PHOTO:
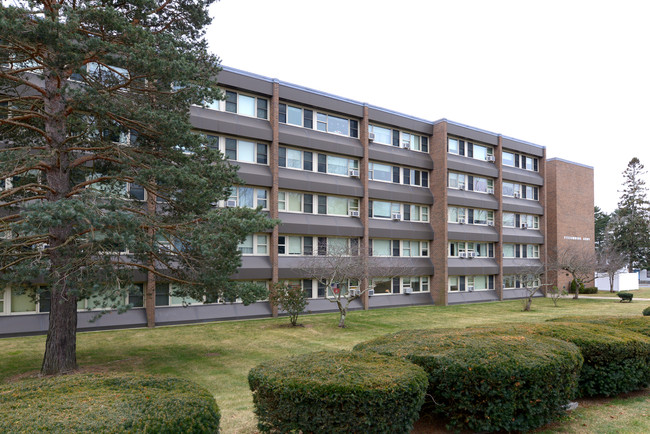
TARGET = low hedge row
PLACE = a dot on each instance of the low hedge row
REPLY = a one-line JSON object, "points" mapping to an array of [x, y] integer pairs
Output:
{"points": [[330, 392], [488, 382], [615, 360], [107, 404], [646, 311]]}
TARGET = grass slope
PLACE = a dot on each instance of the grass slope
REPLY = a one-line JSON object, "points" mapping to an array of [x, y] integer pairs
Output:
{"points": [[219, 355]]}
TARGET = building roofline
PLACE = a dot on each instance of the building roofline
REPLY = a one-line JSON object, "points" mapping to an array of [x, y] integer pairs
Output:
{"points": [[570, 162], [352, 101]]}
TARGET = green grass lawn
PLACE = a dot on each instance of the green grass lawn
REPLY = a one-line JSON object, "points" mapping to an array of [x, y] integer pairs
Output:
{"points": [[219, 355], [643, 292]]}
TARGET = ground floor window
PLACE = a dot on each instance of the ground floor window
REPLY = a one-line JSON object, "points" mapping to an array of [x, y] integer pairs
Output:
{"points": [[470, 283]]}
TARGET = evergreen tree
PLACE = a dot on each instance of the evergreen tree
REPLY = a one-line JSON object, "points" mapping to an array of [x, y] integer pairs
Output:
{"points": [[631, 223], [601, 221], [94, 103]]}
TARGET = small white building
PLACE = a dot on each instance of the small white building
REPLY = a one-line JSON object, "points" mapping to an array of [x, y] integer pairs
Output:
{"points": [[623, 281]]}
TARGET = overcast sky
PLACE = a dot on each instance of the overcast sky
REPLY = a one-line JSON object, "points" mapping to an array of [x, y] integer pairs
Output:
{"points": [[573, 76]]}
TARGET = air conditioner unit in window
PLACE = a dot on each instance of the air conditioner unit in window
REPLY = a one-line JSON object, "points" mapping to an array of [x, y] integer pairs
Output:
{"points": [[406, 145], [396, 216], [461, 186], [461, 221], [524, 225], [490, 191], [516, 195], [354, 173], [408, 290], [490, 158], [371, 292], [354, 213], [471, 254], [353, 292], [231, 203], [490, 223], [462, 255], [470, 288], [371, 137]]}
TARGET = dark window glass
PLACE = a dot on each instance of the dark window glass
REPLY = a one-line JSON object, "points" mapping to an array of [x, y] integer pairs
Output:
{"points": [[308, 118], [516, 160], [395, 285], [396, 175], [535, 163], [322, 204], [425, 144], [282, 160], [262, 157], [470, 216], [517, 250], [354, 246], [417, 177], [136, 295], [470, 183], [283, 114], [281, 245], [308, 246], [407, 176], [395, 137], [306, 287], [231, 102], [490, 282], [231, 149], [212, 142], [321, 290], [322, 246], [322, 163], [44, 301], [425, 179], [491, 250], [535, 193], [354, 128], [307, 163], [136, 192], [461, 147], [407, 212], [523, 161], [461, 281], [162, 294], [395, 247], [308, 203], [470, 150], [369, 208], [262, 108]]}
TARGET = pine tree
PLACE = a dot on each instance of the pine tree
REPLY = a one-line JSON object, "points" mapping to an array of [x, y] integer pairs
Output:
{"points": [[94, 103], [601, 221], [631, 221]]}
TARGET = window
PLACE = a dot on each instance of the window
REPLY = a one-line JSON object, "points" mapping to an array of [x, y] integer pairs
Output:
{"points": [[470, 216], [396, 248], [302, 117], [406, 212], [456, 180], [469, 149], [245, 105], [136, 295], [526, 221], [398, 175], [254, 244], [244, 150], [521, 161], [291, 201], [464, 249], [382, 135], [522, 191], [470, 283], [470, 182], [309, 203], [307, 246], [304, 160], [249, 197], [530, 251]]}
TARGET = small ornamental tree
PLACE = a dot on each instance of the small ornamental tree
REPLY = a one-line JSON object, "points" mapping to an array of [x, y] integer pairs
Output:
{"points": [[579, 263], [289, 298], [530, 279], [100, 172], [610, 261]]}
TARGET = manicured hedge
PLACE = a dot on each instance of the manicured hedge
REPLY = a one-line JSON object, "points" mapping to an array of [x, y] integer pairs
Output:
{"points": [[337, 392], [588, 290], [107, 404], [487, 382], [616, 360], [635, 324], [646, 311]]}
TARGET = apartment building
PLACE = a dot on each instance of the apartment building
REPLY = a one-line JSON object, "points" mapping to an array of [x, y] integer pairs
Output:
{"points": [[461, 208]]}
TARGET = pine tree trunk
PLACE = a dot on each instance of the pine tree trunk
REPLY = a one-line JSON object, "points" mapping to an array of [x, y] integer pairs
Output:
{"points": [[61, 344], [150, 299]]}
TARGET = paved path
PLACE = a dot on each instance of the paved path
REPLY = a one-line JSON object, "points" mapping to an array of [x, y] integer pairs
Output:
{"points": [[605, 298]]}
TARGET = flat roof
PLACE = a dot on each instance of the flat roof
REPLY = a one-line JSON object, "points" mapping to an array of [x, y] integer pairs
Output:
{"points": [[351, 101], [569, 162]]}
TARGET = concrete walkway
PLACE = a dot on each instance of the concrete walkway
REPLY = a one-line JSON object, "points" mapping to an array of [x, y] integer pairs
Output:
{"points": [[605, 298]]}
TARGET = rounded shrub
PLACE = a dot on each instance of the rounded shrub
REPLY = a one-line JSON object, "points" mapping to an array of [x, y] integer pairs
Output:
{"points": [[337, 392], [487, 382], [107, 404], [646, 311], [616, 360], [588, 290]]}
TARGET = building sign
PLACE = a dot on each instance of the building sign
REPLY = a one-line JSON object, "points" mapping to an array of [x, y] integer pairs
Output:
{"points": [[566, 237]]}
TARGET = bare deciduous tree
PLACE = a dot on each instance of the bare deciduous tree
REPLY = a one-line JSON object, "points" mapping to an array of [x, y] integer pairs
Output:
{"points": [[530, 278], [579, 263], [611, 261], [341, 270]]}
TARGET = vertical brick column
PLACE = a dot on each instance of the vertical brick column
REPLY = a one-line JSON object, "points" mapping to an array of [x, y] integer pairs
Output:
{"points": [[498, 218], [543, 251], [438, 213], [363, 209], [275, 174]]}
